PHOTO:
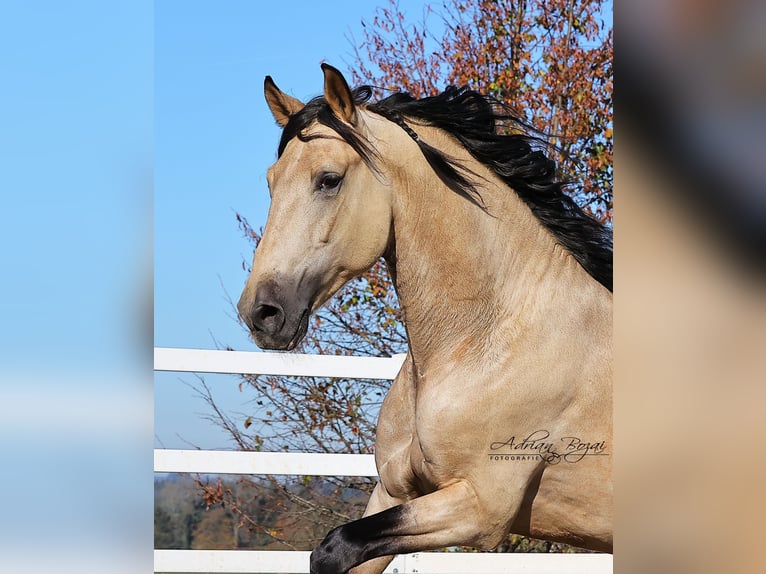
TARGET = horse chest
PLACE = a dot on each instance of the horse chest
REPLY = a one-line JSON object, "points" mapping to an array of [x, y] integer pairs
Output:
{"points": [[448, 432], [420, 452]]}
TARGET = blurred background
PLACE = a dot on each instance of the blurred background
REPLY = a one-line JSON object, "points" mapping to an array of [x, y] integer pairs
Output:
{"points": [[76, 133], [689, 269]]}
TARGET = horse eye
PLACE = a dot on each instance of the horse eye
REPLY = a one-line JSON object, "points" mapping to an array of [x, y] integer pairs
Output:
{"points": [[329, 182]]}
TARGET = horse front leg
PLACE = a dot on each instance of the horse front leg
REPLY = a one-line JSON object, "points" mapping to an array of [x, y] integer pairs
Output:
{"points": [[450, 516], [379, 501]]}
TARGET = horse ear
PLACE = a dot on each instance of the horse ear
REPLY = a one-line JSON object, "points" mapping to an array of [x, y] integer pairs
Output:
{"points": [[281, 105], [338, 94]]}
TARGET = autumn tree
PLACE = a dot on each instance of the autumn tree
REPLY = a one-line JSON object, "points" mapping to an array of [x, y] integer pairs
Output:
{"points": [[549, 60]]}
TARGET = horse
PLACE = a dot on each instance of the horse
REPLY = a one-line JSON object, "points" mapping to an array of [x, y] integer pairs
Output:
{"points": [[499, 420]]}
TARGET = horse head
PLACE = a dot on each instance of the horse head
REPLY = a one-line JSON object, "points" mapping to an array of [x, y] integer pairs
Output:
{"points": [[330, 213]]}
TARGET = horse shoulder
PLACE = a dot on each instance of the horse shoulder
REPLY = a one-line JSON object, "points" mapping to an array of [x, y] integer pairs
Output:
{"points": [[396, 436]]}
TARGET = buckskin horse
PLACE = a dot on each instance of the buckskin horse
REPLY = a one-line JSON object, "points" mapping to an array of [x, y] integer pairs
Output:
{"points": [[500, 419]]}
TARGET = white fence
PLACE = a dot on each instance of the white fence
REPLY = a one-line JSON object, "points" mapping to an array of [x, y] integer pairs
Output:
{"points": [[280, 463]]}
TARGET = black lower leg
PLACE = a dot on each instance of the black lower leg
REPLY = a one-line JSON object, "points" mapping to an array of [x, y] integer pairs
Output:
{"points": [[356, 542]]}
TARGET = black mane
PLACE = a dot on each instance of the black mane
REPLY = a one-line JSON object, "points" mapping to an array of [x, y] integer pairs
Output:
{"points": [[496, 138]]}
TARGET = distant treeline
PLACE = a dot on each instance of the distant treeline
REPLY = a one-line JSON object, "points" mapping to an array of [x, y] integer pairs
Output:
{"points": [[212, 513], [295, 513]]}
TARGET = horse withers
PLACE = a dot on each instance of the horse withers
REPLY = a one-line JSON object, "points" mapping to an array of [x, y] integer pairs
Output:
{"points": [[500, 418]]}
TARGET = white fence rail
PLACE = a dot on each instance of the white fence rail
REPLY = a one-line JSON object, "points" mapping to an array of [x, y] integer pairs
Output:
{"points": [[274, 463], [279, 463], [250, 363], [278, 561]]}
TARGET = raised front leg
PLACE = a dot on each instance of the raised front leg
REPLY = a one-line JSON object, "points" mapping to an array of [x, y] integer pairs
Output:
{"points": [[379, 501], [392, 452], [450, 516]]}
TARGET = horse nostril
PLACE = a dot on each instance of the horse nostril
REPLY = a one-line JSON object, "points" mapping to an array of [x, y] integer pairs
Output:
{"points": [[268, 318]]}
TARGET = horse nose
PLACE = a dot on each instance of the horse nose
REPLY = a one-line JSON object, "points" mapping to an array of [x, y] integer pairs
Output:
{"points": [[261, 310], [268, 318]]}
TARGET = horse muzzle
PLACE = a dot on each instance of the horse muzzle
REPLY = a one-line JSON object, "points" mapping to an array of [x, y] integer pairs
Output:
{"points": [[277, 317]]}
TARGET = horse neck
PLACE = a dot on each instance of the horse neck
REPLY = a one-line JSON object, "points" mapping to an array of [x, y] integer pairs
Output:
{"points": [[470, 280]]}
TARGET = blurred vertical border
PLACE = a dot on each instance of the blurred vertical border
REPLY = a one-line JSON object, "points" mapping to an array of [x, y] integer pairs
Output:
{"points": [[690, 313], [76, 288]]}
